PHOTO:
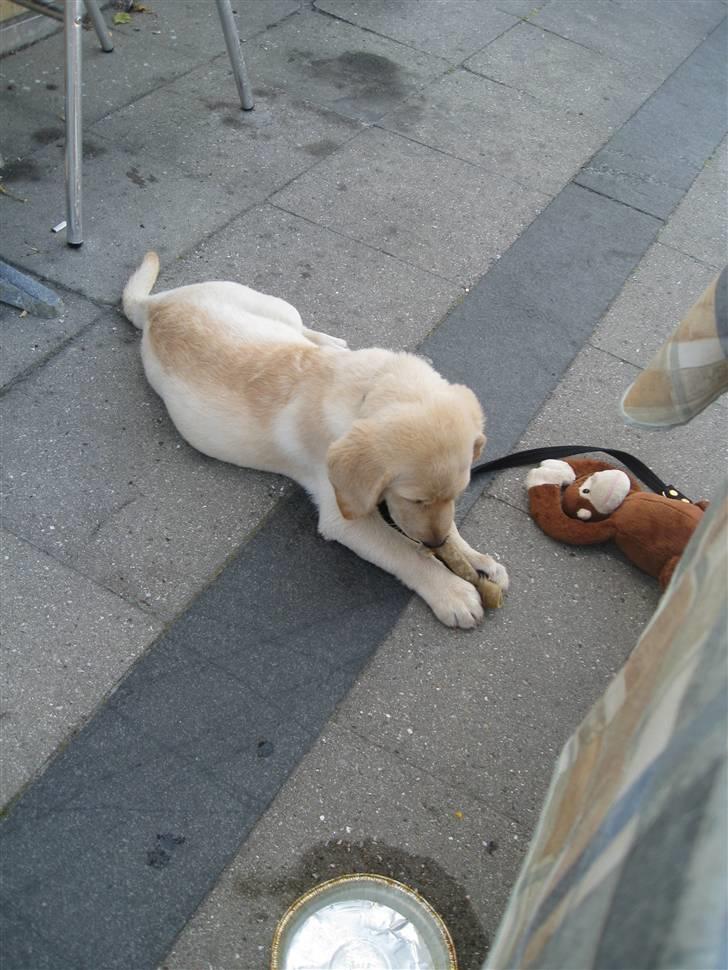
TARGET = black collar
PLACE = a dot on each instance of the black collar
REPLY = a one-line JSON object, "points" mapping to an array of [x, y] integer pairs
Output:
{"points": [[383, 510]]}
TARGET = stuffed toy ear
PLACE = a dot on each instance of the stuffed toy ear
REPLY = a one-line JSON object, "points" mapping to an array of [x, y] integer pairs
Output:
{"points": [[356, 471]]}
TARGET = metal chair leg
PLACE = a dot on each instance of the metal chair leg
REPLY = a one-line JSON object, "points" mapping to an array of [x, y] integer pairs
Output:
{"points": [[232, 41], [99, 23], [73, 14]]}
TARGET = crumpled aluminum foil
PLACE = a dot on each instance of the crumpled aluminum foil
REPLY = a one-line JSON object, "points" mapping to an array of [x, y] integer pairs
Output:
{"points": [[363, 923], [358, 935]]}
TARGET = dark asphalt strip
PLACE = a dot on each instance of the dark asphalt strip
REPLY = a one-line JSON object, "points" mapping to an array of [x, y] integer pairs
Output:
{"points": [[109, 853]]}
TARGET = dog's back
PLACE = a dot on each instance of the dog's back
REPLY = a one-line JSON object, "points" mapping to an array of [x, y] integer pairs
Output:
{"points": [[243, 312]]}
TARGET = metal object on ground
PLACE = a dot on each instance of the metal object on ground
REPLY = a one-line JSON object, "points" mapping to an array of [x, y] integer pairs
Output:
{"points": [[22, 291], [232, 42], [73, 18], [362, 922]]}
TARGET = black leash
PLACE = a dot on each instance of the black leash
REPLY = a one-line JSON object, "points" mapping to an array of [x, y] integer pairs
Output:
{"points": [[532, 456]]}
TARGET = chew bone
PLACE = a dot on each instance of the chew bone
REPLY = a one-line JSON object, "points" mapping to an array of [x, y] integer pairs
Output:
{"points": [[491, 594]]}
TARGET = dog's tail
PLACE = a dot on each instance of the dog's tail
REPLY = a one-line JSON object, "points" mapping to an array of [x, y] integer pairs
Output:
{"points": [[140, 286]]}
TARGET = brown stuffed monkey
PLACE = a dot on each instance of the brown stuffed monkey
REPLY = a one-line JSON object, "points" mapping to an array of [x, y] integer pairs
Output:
{"points": [[600, 502]]}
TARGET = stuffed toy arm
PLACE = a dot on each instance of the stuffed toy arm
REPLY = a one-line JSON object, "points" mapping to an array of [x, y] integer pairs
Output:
{"points": [[552, 471], [544, 497]]}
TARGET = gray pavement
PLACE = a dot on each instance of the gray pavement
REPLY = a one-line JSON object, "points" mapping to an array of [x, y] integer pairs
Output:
{"points": [[205, 709]]}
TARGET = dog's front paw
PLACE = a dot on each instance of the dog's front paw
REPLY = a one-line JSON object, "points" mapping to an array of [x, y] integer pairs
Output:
{"points": [[455, 602], [552, 471], [492, 570]]}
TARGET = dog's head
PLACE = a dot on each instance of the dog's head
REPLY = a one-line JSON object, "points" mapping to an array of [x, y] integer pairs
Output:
{"points": [[417, 458]]}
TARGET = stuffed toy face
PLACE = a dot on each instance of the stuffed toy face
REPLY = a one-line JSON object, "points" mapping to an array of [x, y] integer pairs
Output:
{"points": [[594, 497]]}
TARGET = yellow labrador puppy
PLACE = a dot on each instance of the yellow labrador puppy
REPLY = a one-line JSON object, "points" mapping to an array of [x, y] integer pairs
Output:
{"points": [[244, 381]]}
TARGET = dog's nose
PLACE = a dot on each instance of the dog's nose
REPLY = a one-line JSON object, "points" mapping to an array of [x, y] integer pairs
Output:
{"points": [[434, 545]]}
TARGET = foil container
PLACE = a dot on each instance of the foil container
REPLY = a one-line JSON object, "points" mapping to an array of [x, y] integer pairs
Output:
{"points": [[362, 922]]}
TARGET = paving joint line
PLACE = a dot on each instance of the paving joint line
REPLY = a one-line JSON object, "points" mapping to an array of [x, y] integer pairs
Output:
{"points": [[612, 198], [502, 34], [659, 87], [466, 161], [266, 199], [140, 605], [376, 33], [375, 249], [101, 304], [417, 766], [207, 61], [676, 249], [602, 350], [610, 57], [497, 498], [22, 376]]}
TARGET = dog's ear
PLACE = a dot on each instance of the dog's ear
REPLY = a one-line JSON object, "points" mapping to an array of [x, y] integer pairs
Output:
{"points": [[356, 471], [473, 410], [478, 446]]}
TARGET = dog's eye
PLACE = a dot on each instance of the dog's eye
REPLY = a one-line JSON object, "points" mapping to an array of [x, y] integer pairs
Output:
{"points": [[418, 501], [585, 491]]}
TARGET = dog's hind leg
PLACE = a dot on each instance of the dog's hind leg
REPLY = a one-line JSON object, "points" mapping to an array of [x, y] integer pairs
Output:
{"points": [[324, 339]]}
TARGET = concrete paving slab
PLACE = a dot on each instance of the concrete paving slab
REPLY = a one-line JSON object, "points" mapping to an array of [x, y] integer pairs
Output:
{"points": [[523, 9], [640, 165], [170, 38], [649, 37], [175, 791], [131, 203], [698, 226], [438, 213], [488, 713], [141, 62], [189, 24], [499, 129], [527, 318], [28, 341], [655, 298], [327, 277], [352, 71], [214, 721], [100, 479], [452, 29], [26, 125], [68, 641], [351, 807], [148, 853], [559, 72], [696, 16], [198, 122], [585, 409]]}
